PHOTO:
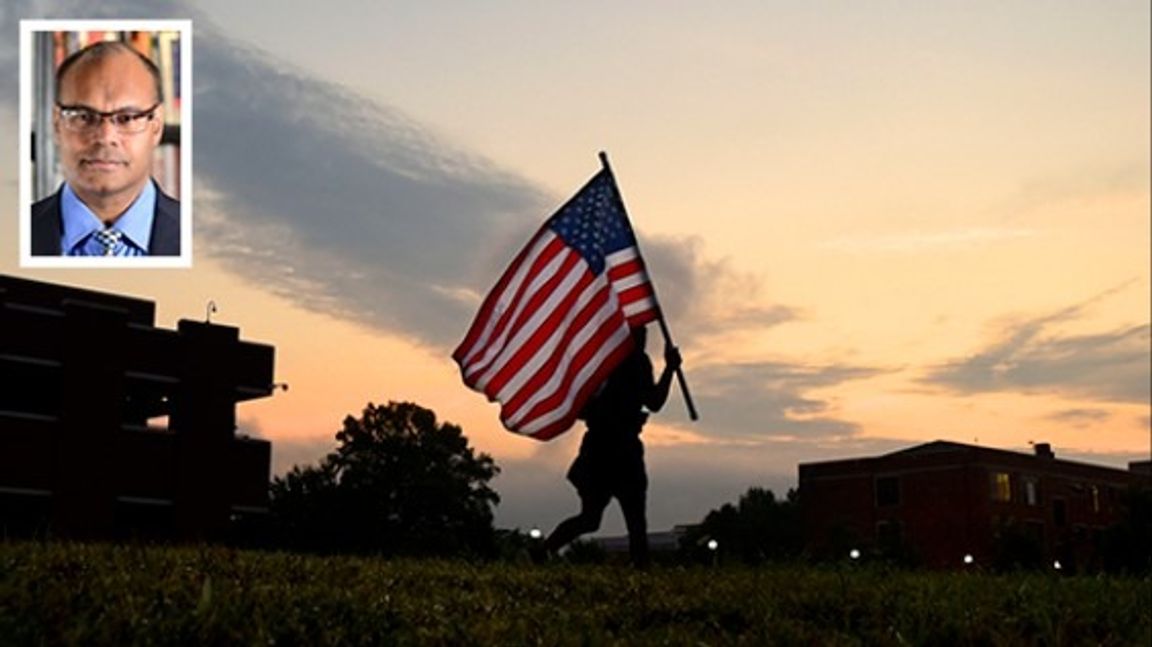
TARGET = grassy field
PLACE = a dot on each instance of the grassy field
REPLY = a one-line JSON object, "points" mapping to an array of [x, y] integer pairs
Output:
{"points": [[122, 595]]}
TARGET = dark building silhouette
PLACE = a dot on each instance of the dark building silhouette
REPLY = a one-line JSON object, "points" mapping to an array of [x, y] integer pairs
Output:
{"points": [[111, 427], [941, 501]]}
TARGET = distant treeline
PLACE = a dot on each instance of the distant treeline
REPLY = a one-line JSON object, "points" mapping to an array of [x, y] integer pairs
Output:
{"points": [[402, 483]]}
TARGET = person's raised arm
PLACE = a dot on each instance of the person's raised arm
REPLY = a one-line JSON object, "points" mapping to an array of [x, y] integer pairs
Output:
{"points": [[658, 395]]}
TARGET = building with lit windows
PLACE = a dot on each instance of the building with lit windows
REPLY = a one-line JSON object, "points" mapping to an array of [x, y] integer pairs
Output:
{"points": [[111, 427], [942, 502]]}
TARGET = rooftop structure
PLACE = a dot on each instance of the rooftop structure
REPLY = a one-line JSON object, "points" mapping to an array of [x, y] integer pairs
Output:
{"points": [[113, 427]]}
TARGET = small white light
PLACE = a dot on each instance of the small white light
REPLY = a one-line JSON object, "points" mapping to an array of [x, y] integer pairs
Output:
{"points": [[535, 533], [713, 544], [968, 559], [1056, 565], [854, 553]]}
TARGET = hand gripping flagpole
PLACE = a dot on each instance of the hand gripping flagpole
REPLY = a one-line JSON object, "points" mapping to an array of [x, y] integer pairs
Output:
{"points": [[663, 325]]}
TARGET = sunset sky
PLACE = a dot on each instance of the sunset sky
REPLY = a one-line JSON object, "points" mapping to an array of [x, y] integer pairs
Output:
{"points": [[871, 224]]}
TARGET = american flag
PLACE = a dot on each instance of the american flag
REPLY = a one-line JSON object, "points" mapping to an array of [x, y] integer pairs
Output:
{"points": [[559, 319]]}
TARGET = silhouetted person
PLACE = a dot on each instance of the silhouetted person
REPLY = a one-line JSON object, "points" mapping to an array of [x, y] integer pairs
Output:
{"points": [[611, 459]]}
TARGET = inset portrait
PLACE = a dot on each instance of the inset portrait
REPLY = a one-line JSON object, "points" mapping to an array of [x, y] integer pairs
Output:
{"points": [[106, 144]]}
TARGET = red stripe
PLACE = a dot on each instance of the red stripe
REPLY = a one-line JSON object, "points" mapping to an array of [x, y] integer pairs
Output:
{"points": [[636, 293], [617, 272], [644, 317]]}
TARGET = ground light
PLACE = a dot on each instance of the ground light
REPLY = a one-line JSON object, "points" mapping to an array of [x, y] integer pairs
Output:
{"points": [[969, 560], [713, 545], [535, 533], [854, 553]]}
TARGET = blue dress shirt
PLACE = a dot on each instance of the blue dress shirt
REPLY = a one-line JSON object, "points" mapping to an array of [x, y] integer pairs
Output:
{"points": [[80, 225]]}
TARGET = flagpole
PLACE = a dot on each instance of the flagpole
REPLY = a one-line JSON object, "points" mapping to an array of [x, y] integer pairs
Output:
{"points": [[663, 325]]}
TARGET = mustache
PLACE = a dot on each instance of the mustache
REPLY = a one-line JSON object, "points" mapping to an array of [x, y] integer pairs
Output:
{"points": [[102, 157]]}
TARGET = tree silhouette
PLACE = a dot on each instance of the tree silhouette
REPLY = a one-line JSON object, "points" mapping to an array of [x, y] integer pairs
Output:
{"points": [[758, 528], [398, 483]]}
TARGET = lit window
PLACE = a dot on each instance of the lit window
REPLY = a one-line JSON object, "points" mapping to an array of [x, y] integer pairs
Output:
{"points": [[1001, 487]]}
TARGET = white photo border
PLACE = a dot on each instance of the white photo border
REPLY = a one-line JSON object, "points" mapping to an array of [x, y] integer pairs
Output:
{"points": [[27, 29]]}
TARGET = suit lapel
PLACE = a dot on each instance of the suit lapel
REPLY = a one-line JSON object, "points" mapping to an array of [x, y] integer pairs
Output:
{"points": [[46, 226]]}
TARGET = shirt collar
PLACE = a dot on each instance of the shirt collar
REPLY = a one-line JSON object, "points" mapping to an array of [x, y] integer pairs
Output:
{"points": [[80, 223]]}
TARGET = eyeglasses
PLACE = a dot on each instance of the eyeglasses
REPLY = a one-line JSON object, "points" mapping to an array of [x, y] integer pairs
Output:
{"points": [[79, 119]]}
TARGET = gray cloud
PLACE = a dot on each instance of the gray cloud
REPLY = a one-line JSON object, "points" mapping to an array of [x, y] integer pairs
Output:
{"points": [[341, 204], [703, 297], [769, 400], [1081, 417], [350, 207], [1110, 366]]}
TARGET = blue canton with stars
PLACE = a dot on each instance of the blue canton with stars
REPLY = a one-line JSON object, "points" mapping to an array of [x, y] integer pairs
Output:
{"points": [[593, 223]]}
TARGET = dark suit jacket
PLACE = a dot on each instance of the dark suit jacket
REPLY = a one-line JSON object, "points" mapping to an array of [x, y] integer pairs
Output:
{"points": [[47, 226]]}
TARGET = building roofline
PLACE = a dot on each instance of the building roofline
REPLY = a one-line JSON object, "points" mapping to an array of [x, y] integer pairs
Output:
{"points": [[979, 453], [28, 293]]}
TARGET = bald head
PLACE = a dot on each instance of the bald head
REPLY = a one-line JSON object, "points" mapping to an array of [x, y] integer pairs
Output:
{"points": [[97, 53]]}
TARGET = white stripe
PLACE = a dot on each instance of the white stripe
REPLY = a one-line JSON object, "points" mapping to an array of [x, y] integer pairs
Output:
{"points": [[578, 343], [549, 346], [523, 333], [630, 281], [501, 303], [622, 256], [638, 306], [495, 346]]}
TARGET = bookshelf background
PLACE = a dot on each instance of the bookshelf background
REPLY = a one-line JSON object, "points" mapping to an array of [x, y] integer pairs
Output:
{"points": [[50, 49]]}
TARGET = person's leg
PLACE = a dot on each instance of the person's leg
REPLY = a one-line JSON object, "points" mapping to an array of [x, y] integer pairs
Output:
{"points": [[633, 502], [592, 506]]}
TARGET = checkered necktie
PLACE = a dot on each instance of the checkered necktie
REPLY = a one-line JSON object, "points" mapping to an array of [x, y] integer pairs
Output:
{"points": [[110, 239]]}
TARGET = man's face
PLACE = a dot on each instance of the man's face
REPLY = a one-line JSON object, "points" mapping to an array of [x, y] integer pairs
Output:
{"points": [[102, 162]]}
